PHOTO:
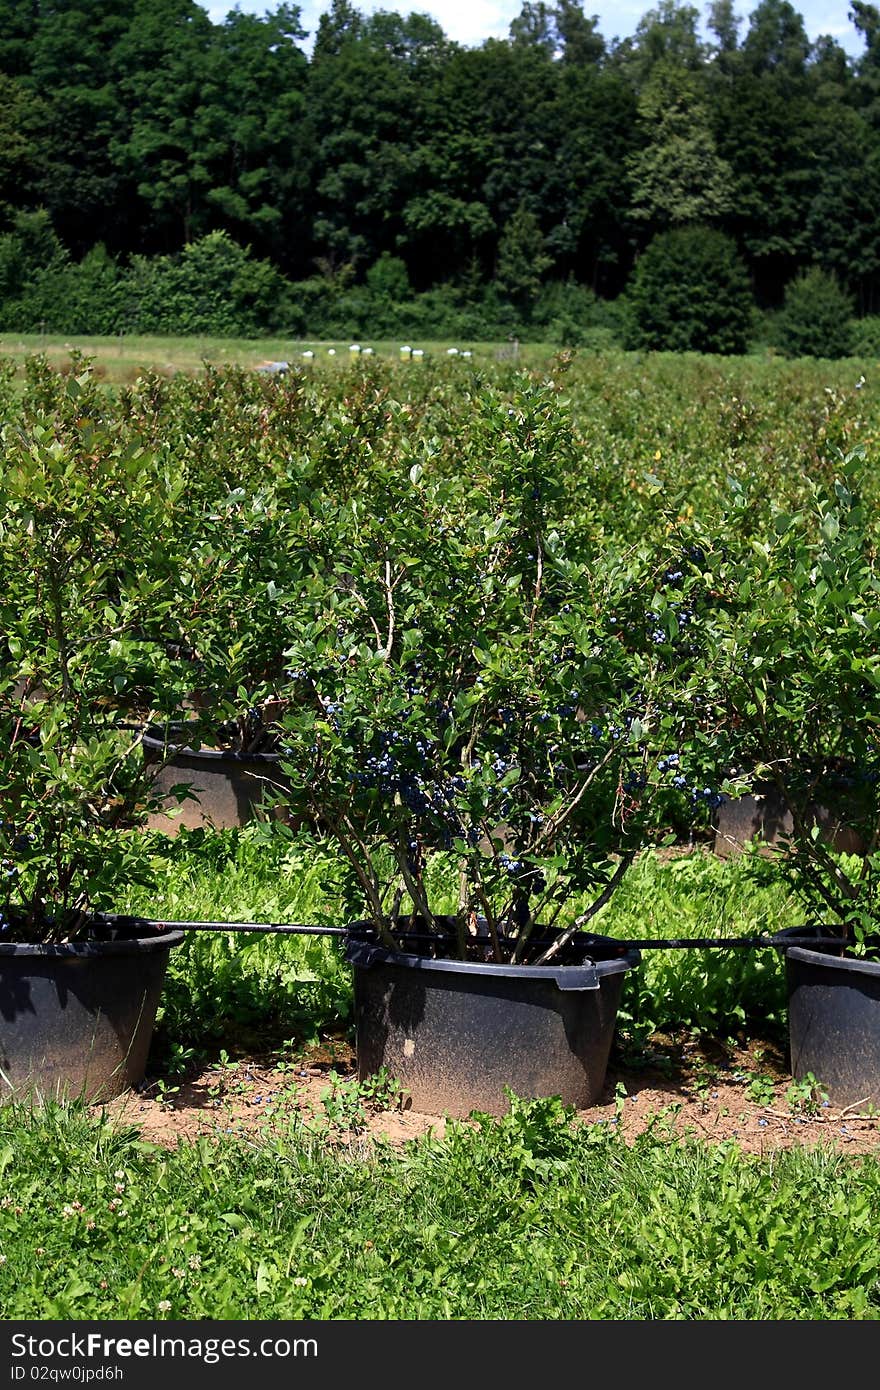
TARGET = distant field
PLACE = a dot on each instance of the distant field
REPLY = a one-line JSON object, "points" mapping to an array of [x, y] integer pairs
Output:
{"points": [[124, 358]]}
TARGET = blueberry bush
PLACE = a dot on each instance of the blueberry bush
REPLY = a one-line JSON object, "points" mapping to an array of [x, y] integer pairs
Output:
{"points": [[503, 628]]}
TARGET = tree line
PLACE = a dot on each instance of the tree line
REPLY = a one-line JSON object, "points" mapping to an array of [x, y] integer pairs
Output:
{"points": [[162, 171]]}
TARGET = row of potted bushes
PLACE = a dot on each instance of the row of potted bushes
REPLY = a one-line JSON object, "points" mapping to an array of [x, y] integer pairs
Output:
{"points": [[495, 700], [451, 1005], [459, 1033]]}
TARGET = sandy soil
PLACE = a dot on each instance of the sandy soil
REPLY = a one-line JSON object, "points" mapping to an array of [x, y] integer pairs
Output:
{"points": [[712, 1092]]}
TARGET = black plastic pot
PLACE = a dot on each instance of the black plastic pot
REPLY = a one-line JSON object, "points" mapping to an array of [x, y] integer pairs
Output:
{"points": [[764, 817], [834, 1021], [455, 1033], [76, 1021], [231, 789]]}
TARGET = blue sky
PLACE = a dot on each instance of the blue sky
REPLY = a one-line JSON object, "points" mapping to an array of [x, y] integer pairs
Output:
{"points": [[472, 21]]}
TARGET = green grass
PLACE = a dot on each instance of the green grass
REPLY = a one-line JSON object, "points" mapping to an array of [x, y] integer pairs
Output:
{"points": [[529, 1217], [122, 358]]}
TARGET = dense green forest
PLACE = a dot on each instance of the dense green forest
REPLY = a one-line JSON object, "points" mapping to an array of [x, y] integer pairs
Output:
{"points": [[163, 173]]}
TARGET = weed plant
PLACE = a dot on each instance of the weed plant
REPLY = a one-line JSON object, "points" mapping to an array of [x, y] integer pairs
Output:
{"points": [[711, 991], [245, 989]]}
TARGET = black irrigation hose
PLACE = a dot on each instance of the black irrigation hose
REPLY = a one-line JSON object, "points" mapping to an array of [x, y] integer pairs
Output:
{"points": [[293, 929], [681, 943], [278, 928], [723, 943]]}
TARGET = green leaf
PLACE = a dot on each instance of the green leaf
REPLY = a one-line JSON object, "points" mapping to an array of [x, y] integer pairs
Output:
{"points": [[233, 1219]]}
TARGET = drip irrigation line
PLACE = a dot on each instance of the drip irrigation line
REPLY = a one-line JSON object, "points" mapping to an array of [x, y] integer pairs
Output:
{"points": [[303, 929], [276, 928], [724, 943], [679, 943]]}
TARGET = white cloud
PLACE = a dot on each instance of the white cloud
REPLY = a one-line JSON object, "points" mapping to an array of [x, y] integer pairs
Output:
{"points": [[468, 22]]}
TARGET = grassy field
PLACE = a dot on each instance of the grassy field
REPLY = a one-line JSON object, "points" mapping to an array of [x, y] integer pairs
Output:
{"points": [[526, 1218], [124, 358]]}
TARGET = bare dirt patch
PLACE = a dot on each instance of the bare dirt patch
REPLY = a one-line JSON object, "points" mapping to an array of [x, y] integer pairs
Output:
{"points": [[712, 1092]]}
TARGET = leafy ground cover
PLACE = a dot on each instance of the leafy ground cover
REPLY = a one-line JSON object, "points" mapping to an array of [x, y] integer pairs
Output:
{"points": [[530, 1217]]}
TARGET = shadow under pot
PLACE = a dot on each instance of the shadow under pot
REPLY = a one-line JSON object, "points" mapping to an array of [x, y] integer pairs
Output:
{"points": [[77, 1019], [454, 1034], [227, 789]]}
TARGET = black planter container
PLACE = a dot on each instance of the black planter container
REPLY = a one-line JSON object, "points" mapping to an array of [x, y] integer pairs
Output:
{"points": [[76, 1021], [455, 1033], [231, 788], [765, 817], [834, 1021]]}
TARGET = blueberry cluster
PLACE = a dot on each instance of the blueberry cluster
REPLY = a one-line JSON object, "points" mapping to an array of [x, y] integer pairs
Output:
{"points": [[528, 881], [685, 613], [606, 734], [671, 762], [401, 767], [635, 782], [569, 708], [690, 555], [710, 797], [684, 616], [19, 842]]}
